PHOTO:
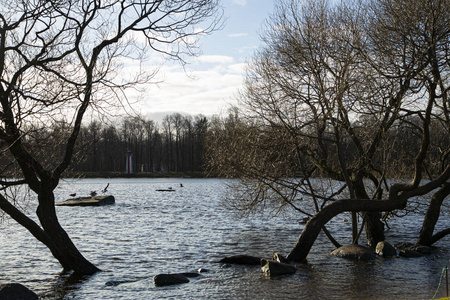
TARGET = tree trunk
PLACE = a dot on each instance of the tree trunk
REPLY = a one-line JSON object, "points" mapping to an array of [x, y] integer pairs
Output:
{"points": [[374, 228], [67, 255], [431, 217], [373, 224], [60, 244], [315, 224]]}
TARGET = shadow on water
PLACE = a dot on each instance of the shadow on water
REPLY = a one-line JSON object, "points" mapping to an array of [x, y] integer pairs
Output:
{"points": [[66, 282]]}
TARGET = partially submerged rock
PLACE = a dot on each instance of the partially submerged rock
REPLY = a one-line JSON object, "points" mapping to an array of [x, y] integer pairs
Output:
{"points": [[88, 201], [403, 245], [190, 274], [274, 268], [241, 260], [202, 270], [13, 291], [169, 279], [409, 253], [354, 251], [116, 282], [279, 258], [421, 249], [411, 250], [385, 249]]}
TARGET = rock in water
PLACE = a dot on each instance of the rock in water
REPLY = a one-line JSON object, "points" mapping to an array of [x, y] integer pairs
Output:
{"points": [[354, 252], [385, 249], [241, 260], [169, 279], [202, 270], [404, 245], [276, 268], [190, 274], [88, 201], [408, 253], [411, 250], [279, 258], [14, 291], [421, 249]]}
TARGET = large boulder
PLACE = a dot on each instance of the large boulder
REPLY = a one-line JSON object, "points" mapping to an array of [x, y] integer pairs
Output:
{"points": [[14, 291], [274, 268], [385, 249], [241, 260], [169, 279], [354, 252]]}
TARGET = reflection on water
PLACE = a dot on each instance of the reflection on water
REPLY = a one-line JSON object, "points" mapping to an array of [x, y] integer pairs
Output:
{"points": [[150, 232]]}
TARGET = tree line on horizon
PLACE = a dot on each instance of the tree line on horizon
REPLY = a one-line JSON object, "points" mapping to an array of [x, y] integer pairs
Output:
{"points": [[190, 144], [175, 145]]}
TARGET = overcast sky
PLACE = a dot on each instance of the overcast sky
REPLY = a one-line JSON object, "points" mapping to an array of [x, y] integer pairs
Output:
{"points": [[215, 76]]}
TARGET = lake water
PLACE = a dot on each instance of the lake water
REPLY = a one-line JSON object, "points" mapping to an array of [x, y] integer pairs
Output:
{"points": [[147, 232]]}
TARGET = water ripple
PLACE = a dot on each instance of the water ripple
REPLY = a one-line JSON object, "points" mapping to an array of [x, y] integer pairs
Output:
{"points": [[148, 232]]}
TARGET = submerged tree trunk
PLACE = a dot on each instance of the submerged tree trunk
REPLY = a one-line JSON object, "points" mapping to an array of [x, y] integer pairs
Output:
{"points": [[374, 228], [55, 238], [60, 244], [372, 220], [426, 237], [313, 227]]}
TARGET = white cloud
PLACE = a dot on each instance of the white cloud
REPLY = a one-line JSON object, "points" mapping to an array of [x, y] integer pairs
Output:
{"points": [[237, 68], [205, 92], [221, 59]]}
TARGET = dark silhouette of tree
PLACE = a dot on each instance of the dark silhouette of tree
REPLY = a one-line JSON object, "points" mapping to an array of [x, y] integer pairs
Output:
{"points": [[58, 59], [327, 96]]}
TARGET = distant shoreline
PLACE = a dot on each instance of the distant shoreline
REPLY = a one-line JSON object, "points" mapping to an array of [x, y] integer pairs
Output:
{"points": [[139, 175]]}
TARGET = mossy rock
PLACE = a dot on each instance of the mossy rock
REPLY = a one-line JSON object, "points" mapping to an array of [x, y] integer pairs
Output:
{"points": [[354, 251]]}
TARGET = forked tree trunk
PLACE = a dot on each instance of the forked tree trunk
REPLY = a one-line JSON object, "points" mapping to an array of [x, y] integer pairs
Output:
{"points": [[315, 224], [374, 228], [372, 220]]}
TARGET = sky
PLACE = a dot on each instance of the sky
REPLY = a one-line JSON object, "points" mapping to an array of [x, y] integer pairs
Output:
{"points": [[211, 81]]}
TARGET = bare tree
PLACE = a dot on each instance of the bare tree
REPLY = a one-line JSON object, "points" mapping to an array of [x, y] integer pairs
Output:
{"points": [[322, 98], [60, 58]]}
